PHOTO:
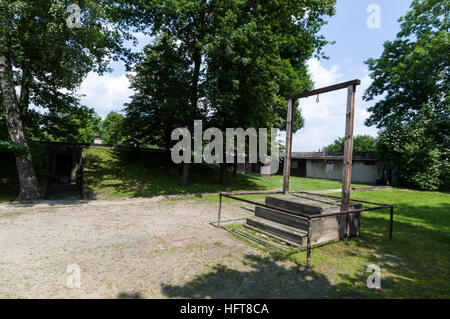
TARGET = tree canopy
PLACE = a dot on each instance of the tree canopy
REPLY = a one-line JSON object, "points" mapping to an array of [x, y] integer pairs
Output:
{"points": [[48, 59], [361, 143], [412, 79], [228, 63], [75, 125], [112, 129]]}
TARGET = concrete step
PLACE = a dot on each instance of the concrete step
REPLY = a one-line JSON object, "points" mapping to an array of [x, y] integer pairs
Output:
{"points": [[267, 241], [291, 234], [275, 237], [307, 204], [282, 218]]}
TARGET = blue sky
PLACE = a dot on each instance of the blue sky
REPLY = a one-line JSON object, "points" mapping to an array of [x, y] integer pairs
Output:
{"points": [[324, 121]]}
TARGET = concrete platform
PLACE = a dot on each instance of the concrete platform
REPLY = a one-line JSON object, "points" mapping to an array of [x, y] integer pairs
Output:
{"points": [[293, 228], [307, 204]]}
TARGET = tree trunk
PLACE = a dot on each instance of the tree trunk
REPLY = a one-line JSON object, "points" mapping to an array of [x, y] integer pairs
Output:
{"points": [[25, 90], [223, 174], [193, 112], [185, 175], [196, 75], [27, 177]]}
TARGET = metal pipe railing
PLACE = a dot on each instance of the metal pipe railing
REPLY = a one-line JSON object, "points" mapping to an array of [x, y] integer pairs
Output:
{"points": [[266, 206], [309, 217], [337, 197]]}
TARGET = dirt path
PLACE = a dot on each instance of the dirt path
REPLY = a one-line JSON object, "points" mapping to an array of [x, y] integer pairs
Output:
{"points": [[138, 248], [62, 191]]}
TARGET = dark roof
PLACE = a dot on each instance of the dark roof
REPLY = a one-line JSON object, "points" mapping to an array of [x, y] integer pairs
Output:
{"points": [[361, 156]]}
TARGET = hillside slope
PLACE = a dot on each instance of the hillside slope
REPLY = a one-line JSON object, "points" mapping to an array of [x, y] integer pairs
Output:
{"points": [[125, 173]]}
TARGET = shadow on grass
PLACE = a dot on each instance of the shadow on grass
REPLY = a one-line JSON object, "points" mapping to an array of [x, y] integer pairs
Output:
{"points": [[264, 278], [145, 173], [415, 264], [129, 295]]}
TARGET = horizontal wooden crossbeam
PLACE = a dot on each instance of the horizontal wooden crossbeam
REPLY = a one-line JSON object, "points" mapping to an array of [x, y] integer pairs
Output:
{"points": [[325, 89]]}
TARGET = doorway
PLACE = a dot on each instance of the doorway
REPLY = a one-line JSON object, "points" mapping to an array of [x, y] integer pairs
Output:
{"points": [[63, 168]]}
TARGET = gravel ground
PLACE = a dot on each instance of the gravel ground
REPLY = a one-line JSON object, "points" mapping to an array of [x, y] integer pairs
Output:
{"points": [[138, 248]]}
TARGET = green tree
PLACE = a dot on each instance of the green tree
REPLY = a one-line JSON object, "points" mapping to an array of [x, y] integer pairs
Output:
{"points": [[180, 27], [74, 125], [112, 129], [42, 54], [412, 76], [162, 83], [255, 60], [411, 151], [361, 143], [230, 63]]}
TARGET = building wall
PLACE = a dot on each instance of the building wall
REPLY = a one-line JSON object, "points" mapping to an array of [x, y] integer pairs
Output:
{"points": [[298, 167], [361, 172]]}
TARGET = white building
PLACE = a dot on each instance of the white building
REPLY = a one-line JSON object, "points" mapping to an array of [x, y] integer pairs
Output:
{"points": [[98, 140], [366, 168]]}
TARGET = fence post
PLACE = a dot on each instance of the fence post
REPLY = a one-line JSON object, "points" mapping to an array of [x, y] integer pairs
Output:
{"points": [[308, 244], [391, 221], [220, 210]]}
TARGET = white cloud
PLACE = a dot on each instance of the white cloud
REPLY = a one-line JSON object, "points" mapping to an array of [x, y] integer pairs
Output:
{"points": [[321, 76], [325, 121], [105, 93]]}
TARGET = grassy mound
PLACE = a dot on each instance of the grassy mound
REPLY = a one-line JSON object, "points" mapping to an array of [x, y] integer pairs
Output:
{"points": [[130, 173]]}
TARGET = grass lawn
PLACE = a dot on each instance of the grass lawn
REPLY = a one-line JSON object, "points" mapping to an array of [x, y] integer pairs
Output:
{"points": [[120, 173], [415, 264]]}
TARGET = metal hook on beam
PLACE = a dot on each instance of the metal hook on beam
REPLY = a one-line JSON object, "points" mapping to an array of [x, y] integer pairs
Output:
{"points": [[317, 99]]}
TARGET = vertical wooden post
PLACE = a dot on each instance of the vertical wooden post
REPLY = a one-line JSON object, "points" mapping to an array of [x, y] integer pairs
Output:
{"points": [[391, 221], [220, 210], [348, 158], [288, 148]]}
